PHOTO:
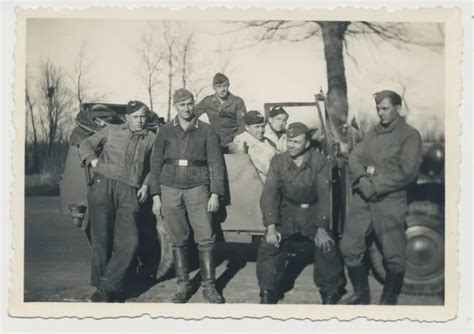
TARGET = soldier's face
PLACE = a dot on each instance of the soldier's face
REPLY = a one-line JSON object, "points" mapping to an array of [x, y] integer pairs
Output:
{"points": [[185, 109], [278, 123], [297, 145], [387, 112], [222, 89], [256, 130], [137, 120]]}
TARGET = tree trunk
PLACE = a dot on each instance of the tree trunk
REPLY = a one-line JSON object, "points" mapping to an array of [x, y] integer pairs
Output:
{"points": [[170, 81], [337, 106]]}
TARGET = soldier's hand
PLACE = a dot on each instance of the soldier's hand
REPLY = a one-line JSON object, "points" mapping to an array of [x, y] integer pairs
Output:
{"points": [[367, 188], [156, 208], [142, 193], [273, 237], [94, 162], [213, 203], [323, 240]]}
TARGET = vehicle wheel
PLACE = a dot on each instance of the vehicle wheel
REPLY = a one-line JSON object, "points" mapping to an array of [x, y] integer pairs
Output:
{"points": [[166, 252], [425, 251]]}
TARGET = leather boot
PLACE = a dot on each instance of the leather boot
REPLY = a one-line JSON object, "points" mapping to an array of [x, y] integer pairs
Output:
{"points": [[181, 267], [359, 277], [332, 297], [391, 289], [268, 297], [208, 274], [102, 296]]}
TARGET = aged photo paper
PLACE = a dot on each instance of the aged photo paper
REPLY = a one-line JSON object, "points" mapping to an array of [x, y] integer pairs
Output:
{"points": [[107, 56]]}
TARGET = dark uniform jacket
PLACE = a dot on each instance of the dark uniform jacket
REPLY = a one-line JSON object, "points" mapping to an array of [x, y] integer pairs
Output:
{"points": [[226, 117], [296, 199], [199, 143], [123, 155], [389, 156]]}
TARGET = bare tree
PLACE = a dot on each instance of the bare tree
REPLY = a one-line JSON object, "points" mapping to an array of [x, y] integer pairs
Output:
{"points": [[56, 100], [30, 105], [335, 36], [170, 56], [186, 49], [152, 59]]}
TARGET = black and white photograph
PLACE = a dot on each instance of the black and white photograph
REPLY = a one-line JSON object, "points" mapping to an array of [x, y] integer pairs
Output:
{"points": [[272, 159]]}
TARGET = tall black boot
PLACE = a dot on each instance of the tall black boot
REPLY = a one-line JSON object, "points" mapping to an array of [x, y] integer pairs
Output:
{"points": [[392, 287], [208, 274], [359, 277], [181, 267]]}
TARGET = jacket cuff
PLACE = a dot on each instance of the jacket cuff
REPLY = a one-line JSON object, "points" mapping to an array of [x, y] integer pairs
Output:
{"points": [[270, 219], [154, 189]]}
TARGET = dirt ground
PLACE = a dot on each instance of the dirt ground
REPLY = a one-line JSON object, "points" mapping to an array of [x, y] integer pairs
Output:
{"points": [[57, 257]]}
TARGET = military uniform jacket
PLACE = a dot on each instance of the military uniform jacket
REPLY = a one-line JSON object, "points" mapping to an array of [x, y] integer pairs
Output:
{"points": [[296, 199], [226, 117], [390, 157]]}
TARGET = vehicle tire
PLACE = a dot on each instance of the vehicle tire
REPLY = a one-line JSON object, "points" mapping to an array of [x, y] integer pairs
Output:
{"points": [[425, 251], [166, 252]]}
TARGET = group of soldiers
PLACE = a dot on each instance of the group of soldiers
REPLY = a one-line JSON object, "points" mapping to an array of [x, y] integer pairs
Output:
{"points": [[182, 169]]}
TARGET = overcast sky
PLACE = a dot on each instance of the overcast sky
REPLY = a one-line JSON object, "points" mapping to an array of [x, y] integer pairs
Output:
{"points": [[266, 72]]}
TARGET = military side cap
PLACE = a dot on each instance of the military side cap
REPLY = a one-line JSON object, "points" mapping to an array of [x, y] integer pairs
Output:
{"points": [[133, 106], [182, 95], [296, 129], [219, 78], [275, 111], [253, 117], [394, 97]]}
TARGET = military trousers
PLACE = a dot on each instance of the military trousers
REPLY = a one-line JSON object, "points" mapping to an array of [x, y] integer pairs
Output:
{"points": [[328, 272], [113, 212], [185, 214], [384, 218]]}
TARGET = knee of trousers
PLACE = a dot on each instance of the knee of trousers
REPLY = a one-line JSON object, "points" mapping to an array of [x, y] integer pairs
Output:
{"points": [[350, 249], [396, 263]]}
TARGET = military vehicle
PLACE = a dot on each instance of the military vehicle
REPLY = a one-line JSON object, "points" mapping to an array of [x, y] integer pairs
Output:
{"points": [[241, 213]]}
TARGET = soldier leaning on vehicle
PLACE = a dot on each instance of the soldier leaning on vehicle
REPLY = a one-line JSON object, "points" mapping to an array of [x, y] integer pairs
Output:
{"points": [[382, 166], [224, 110], [187, 179], [295, 205], [119, 156]]}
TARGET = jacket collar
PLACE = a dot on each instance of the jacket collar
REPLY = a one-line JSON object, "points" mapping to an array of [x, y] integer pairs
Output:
{"points": [[194, 122], [125, 126], [379, 129], [217, 101], [306, 160]]}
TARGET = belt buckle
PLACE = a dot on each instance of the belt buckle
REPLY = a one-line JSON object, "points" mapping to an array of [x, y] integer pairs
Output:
{"points": [[304, 205], [182, 163]]}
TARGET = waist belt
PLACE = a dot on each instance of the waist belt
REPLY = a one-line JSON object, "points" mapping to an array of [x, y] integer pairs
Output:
{"points": [[186, 163], [300, 205]]}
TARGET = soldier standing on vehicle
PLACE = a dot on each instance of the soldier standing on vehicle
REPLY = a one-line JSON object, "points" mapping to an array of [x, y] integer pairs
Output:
{"points": [[119, 156], [224, 110], [187, 179], [275, 131], [253, 142], [295, 205], [382, 166]]}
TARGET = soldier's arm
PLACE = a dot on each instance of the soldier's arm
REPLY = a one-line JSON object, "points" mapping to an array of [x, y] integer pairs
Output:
{"points": [[322, 187], [215, 161], [240, 111], [146, 180], [200, 108], [357, 165], [403, 170], [156, 164], [260, 158], [91, 146], [271, 195]]}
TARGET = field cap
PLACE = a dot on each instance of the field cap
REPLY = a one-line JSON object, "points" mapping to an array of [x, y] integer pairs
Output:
{"points": [[182, 95], [395, 99], [296, 129], [275, 111], [219, 78], [133, 106], [253, 117]]}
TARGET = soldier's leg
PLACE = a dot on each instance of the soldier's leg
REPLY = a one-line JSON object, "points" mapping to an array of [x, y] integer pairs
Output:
{"points": [[389, 227], [101, 216], [177, 227], [328, 274], [270, 270], [200, 220], [353, 248], [125, 241]]}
